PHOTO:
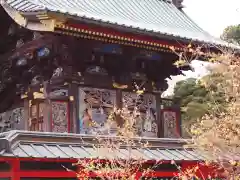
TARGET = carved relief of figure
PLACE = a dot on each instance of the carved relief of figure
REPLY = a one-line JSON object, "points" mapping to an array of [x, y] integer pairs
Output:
{"points": [[60, 117], [170, 126], [86, 120], [146, 104], [94, 108], [9, 119], [58, 72]]}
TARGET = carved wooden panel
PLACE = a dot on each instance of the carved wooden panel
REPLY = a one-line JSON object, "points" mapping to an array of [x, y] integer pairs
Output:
{"points": [[146, 123], [41, 115], [17, 115], [60, 116], [35, 122], [95, 105], [11, 118], [33, 125], [34, 109], [171, 123], [59, 93]]}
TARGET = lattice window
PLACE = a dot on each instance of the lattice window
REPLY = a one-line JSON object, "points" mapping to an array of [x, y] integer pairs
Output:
{"points": [[36, 114], [95, 105], [146, 124], [60, 116]]}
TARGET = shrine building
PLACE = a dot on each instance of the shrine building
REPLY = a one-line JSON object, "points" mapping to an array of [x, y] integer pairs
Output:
{"points": [[63, 61]]}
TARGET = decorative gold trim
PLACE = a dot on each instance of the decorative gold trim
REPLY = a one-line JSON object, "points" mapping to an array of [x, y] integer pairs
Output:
{"points": [[42, 16], [118, 39], [111, 41], [59, 18], [49, 23]]}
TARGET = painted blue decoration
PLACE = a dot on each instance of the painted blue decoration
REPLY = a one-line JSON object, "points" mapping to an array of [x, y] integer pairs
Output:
{"points": [[110, 48], [150, 55], [43, 52]]}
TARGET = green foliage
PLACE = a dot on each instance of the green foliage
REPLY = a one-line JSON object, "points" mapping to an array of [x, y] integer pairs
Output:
{"points": [[191, 96], [189, 90], [232, 34], [198, 97]]}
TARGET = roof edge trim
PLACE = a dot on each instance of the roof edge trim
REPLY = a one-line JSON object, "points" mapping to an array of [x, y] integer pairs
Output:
{"points": [[18, 134], [22, 20]]}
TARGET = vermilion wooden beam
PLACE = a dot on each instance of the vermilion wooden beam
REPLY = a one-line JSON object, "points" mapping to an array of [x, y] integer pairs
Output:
{"points": [[15, 173], [127, 35], [47, 174], [160, 174], [15, 169], [5, 174]]}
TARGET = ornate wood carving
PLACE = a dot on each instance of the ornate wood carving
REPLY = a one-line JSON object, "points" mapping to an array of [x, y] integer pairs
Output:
{"points": [[60, 116], [171, 123], [35, 122], [95, 105], [20, 67], [9, 119], [58, 93], [146, 104]]}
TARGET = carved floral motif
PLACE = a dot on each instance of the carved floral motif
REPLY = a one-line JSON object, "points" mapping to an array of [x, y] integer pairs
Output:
{"points": [[9, 118], [60, 117], [36, 117], [94, 107], [170, 124], [146, 124]]}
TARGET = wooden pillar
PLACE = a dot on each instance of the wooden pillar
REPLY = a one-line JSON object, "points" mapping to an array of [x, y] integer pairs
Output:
{"points": [[177, 109], [119, 106], [74, 108], [47, 115], [25, 122], [159, 116], [15, 171]]}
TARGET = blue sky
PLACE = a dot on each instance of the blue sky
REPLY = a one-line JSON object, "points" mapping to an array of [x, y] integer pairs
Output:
{"points": [[213, 16]]}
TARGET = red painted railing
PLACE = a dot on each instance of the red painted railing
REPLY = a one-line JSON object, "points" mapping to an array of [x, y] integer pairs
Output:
{"points": [[15, 173]]}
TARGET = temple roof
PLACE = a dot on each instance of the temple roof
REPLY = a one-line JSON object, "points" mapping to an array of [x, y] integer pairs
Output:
{"points": [[158, 17], [56, 145]]}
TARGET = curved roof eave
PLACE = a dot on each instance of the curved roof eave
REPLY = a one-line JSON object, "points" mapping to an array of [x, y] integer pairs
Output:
{"points": [[132, 15]]}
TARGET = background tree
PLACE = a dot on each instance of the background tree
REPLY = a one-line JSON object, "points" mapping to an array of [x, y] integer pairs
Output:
{"points": [[196, 100], [231, 34], [217, 134]]}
